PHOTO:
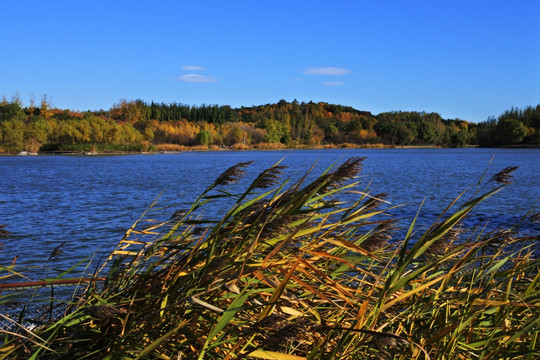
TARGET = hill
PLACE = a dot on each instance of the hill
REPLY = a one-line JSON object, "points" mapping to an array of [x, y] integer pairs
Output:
{"points": [[141, 126]]}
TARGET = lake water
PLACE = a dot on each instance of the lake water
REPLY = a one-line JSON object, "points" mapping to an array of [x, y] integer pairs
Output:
{"points": [[89, 201]]}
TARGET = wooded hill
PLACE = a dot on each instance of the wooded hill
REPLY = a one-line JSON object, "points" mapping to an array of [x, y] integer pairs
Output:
{"points": [[141, 126]]}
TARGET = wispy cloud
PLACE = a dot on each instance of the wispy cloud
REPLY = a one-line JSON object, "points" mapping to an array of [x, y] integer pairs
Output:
{"points": [[192, 68], [196, 78], [333, 83], [327, 71]]}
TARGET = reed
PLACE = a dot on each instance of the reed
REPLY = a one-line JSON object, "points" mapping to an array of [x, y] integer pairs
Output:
{"points": [[270, 146], [292, 272]]}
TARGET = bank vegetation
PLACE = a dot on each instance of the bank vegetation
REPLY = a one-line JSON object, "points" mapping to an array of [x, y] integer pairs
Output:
{"points": [[140, 126]]}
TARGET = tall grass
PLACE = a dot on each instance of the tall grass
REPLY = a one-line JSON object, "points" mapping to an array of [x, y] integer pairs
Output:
{"points": [[291, 272]]}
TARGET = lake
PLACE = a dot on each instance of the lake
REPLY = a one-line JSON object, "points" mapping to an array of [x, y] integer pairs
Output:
{"points": [[89, 201]]}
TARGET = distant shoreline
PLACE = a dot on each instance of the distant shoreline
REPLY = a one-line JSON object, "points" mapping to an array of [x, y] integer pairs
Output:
{"points": [[198, 149], [213, 149], [247, 149]]}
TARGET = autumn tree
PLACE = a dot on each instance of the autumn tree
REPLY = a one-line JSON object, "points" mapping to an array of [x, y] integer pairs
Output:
{"points": [[204, 137], [510, 131], [11, 111], [233, 134], [276, 131], [12, 135], [45, 109], [36, 133], [130, 111]]}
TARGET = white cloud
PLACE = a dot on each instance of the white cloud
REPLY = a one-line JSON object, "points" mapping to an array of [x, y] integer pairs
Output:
{"points": [[196, 78], [327, 71], [192, 68], [333, 83]]}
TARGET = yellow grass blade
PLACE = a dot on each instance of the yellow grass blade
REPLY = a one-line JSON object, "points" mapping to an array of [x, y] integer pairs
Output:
{"points": [[272, 355]]}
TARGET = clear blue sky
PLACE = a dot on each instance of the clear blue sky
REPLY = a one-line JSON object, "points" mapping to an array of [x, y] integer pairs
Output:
{"points": [[464, 59]]}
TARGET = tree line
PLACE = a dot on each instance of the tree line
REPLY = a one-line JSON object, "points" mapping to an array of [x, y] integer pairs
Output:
{"points": [[141, 126]]}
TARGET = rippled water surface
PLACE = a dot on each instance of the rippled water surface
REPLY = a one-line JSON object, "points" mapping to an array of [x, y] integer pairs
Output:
{"points": [[89, 201]]}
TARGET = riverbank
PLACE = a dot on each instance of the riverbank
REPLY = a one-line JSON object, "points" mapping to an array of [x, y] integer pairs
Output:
{"points": [[175, 149]]}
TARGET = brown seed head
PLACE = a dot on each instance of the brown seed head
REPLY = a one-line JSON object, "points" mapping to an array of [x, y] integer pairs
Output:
{"points": [[348, 170], [57, 251], [178, 214], [374, 201], [505, 175], [445, 242], [269, 177], [3, 231], [232, 174], [379, 237], [535, 218]]}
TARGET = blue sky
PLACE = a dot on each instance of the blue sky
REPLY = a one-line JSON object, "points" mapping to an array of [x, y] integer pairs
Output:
{"points": [[463, 59]]}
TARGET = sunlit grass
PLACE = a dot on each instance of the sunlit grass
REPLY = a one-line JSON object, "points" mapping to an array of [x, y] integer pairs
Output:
{"points": [[292, 272]]}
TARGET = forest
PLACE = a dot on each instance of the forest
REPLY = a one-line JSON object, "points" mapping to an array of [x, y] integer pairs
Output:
{"points": [[136, 125]]}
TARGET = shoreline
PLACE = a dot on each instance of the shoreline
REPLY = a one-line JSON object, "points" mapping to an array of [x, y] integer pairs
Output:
{"points": [[247, 149], [216, 149]]}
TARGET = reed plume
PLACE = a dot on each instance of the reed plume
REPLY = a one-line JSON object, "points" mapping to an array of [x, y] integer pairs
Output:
{"points": [[347, 171], [505, 175], [380, 237], [232, 174], [374, 201], [57, 251], [444, 243], [269, 177], [4, 232], [535, 218]]}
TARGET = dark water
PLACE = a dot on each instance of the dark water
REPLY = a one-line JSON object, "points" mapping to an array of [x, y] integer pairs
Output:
{"points": [[89, 201]]}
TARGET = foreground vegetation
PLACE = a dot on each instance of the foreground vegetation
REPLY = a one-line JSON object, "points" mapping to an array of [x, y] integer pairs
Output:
{"points": [[140, 126], [290, 271]]}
